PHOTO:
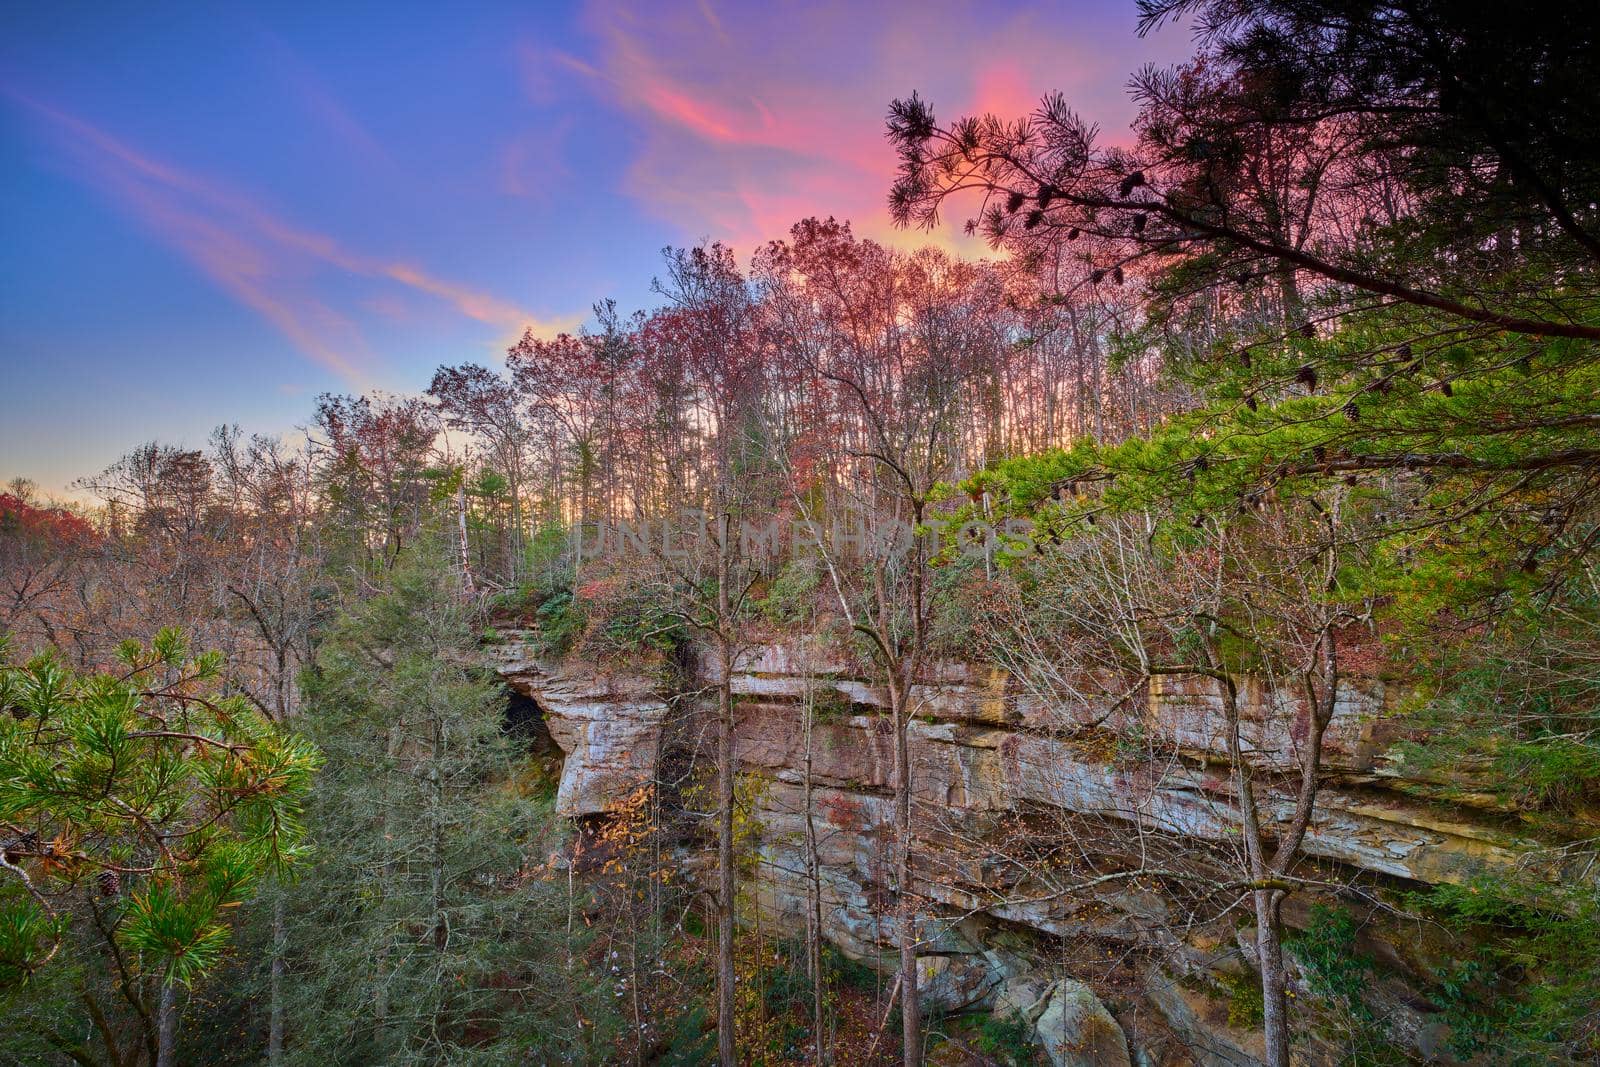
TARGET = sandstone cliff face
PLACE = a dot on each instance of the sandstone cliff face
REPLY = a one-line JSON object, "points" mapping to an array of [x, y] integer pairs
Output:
{"points": [[1016, 802], [608, 725]]}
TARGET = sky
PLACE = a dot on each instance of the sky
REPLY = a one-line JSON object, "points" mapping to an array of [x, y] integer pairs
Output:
{"points": [[212, 213]]}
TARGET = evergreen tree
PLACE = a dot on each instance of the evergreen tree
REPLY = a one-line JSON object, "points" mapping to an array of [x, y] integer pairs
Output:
{"points": [[137, 810], [424, 933]]}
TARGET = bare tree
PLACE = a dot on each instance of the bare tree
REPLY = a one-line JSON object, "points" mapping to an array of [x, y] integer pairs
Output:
{"points": [[1257, 602]]}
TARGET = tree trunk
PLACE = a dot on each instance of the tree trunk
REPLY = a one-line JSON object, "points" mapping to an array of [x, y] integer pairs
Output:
{"points": [[633, 987], [910, 1001], [1269, 942], [516, 526], [466, 550], [436, 858], [1274, 999], [725, 874], [900, 699], [813, 886], [380, 1000], [275, 1012], [167, 1033], [583, 518], [759, 978]]}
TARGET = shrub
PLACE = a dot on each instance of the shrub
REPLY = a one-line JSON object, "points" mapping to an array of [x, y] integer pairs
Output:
{"points": [[830, 705], [785, 986], [1530, 991], [1247, 1005], [560, 622], [1334, 969], [1551, 772], [693, 1040], [1338, 975], [1008, 1039], [956, 604], [791, 598], [626, 616]]}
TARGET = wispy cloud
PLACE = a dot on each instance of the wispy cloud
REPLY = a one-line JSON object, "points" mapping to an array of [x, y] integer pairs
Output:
{"points": [[264, 261], [756, 116], [315, 97]]}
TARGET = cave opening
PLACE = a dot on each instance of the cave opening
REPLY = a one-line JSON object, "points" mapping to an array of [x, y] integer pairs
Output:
{"points": [[525, 724]]}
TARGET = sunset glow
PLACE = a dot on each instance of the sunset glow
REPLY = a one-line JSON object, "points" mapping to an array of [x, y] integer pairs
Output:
{"points": [[277, 204]]}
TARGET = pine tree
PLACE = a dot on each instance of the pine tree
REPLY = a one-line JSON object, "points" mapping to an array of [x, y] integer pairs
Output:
{"points": [[424, 933], [137, 810]]}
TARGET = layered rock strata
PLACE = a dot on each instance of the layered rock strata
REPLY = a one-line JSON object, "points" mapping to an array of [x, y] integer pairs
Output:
{"points": [[1016, 802]]}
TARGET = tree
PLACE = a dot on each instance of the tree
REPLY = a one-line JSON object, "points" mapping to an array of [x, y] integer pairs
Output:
{"points": [[895, 351], [1264, 613], [1360, 145], [575, 385], [42, 550], [272, 576], [717, 344], [1419, 182], [160, 563], [484, 403], [138, 810], [377, 449], [424, 933]]}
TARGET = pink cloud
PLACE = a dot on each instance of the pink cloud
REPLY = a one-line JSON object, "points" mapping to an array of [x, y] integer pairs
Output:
{"points": [[265, 262], [754, 117]]}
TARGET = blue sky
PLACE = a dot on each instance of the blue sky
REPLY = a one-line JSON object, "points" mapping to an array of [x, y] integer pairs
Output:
{"points": [[212, 213]]}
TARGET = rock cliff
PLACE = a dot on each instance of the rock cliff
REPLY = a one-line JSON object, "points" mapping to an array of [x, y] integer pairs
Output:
{"points": [[1031, 820]]}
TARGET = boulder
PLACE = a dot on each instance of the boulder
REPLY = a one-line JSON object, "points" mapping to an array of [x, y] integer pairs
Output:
{"points": [[1023, 995], [1076, 1030], [955, 983], [1197, 1011]]}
